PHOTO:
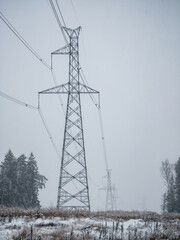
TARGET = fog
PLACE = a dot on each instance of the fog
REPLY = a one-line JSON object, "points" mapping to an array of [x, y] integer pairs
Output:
{"points": [[129, 51]]}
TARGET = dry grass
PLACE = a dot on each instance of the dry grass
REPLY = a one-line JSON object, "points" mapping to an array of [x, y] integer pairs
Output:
{"points": [[159, 226], [66, 214]]}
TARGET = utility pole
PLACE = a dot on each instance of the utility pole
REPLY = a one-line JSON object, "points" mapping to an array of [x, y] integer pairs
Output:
{"points": [[73, 190]]}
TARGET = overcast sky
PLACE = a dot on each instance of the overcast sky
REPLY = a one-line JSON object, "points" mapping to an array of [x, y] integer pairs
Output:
{"points": [[130, 52]]}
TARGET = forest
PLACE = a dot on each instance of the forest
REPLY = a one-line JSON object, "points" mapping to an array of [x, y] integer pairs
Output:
{"points": [[20, 181]]}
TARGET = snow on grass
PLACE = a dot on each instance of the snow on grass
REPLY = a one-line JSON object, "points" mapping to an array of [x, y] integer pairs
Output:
{"points": [[95, 226]]}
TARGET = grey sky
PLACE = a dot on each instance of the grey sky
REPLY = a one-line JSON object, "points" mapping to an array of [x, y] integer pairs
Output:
{"points": [[129, 51]]}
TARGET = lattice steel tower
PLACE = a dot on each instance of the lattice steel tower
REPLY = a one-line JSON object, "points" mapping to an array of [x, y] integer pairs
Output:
{"points": [[73, 190]]}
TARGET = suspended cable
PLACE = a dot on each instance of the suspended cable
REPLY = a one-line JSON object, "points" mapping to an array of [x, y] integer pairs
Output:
{"points": [[12, 99], [75, 12], [36, 54], [92, 181], [15, 100], [109, 188], [103, 139], [55, 83], [82, 75], [60, 13], [10, 26], [28, 47], [48, 131], [97, 104], [58, 20]]}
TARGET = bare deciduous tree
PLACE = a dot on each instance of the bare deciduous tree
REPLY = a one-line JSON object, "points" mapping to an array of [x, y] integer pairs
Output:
{"points": [[166, 172]]}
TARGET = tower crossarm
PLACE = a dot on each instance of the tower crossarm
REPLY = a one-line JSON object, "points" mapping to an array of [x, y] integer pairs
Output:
{"points": [[63, 50], [64, 88]]}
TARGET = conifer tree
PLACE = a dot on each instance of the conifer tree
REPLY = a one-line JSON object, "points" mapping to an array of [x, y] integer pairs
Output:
{"points": [[171, 202], [177, 185], [9, 180], [21, 181], [35, 181]]}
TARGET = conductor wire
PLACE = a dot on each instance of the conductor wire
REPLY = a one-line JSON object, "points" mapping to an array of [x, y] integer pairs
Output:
{"points": [[10, 26]]}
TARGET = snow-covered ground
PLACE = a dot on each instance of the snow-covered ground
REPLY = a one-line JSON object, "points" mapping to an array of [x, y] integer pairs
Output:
{"points": [[93, 227]]}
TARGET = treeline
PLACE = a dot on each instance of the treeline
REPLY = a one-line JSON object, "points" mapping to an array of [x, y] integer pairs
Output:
{"points": [[171, 197], [20, 181]]}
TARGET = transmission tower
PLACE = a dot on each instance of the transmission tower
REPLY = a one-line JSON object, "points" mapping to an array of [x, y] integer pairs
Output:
{"points": [[109, 193], [73, 190], [110, 200], [109, 189]]}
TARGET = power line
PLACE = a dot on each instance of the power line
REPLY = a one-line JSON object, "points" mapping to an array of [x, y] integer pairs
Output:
{"points": [[103, 139], [25, 43], [10, 26], [2, 94], [75, 12], [12, 99], [60, 13], [17, 101], [48, 132], [97, 104], [58, 20], [82, 75]]}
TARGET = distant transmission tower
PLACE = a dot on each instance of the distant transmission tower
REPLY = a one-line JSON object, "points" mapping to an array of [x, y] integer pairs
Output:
{"points": [[110, 206], [73, 190], [109, 192], [110, 197]]}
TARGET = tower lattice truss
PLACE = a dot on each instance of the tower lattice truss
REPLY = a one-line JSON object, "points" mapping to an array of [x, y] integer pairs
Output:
{"points": [[73, 190]]}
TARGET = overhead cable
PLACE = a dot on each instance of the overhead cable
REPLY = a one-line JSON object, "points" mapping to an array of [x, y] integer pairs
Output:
{"points": [[97, 104], [12, 99], [10, 26], [60, 13], [82, 75], [59, 96], [103, 139], [75, 12], [58, 20], [48, 131], [17, 101]]}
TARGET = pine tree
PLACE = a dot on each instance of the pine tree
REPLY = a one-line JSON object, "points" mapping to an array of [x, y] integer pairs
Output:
{"points": [[21, 181], [35, 181], [9, 180], [177, 185]]}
